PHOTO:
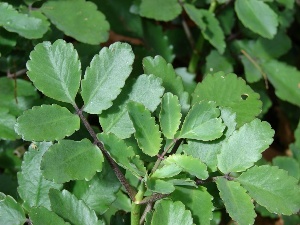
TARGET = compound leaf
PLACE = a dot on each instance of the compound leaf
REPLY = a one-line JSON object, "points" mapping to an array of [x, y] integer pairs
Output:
{"points": [[244, 147], [44, 216], [285, 79], [11, 212], [229, 91], [79, 19], [189, 164], [160, 68], [67, 206], [123, 155], [105, 77], [168, 212], [33, 187], [55, 70], [170, 115], [25, 25], [272, 188], [202, 123], [71, 160], [46, 123], [198, 201], [209, 26], [237, 202], [100, 192], [257, 16], [147, 132], [167, 10]]}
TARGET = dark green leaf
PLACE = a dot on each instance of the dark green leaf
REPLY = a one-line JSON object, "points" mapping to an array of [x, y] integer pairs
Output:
{"points": [[47, 123], [289, 164], [79, 19], [7, 124], [71, 160], [216, 62]]}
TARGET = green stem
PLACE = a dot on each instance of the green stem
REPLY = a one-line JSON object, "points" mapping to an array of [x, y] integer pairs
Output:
{"points": [[136, 207], [192, 67]]}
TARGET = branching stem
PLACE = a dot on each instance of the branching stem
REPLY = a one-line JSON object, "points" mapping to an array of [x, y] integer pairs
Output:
{"points": [[130, 190]]}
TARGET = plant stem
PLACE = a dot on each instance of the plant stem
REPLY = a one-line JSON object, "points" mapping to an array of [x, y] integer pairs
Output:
{"points": [[130, 190], [16, 74], [192, 67], [136, 207]]}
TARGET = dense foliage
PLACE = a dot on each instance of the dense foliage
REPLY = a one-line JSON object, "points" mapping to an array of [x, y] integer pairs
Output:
{"points": [[149, 112]]}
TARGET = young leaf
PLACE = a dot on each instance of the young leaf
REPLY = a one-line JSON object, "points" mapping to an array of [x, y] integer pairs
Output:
{"points": [[189, 164], [71, 160], [167, 10], [33, 187], [237, 202], [11, 212], [170, 115], [160, 68], [100, 192], [147, 132], [105, 77], [287, 85], [44, 216], [244, 147], [27, 26], [209, 26], [168, 212], [198, 201], [229, 91], [272, 188], [46, 123], [55, 70], [202, 123], [160, 186], [257, 16], [70, 208], [78, 19], [167, 171], [123, 155]]}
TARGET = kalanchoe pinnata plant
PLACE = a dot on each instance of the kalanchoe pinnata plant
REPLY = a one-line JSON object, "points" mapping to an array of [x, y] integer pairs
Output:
{"points": [[160, 146]]}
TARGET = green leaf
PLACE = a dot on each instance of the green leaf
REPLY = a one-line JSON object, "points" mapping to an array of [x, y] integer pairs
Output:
{"points": [[146, 90], [78, 19], [287, 3], [170, 115], [71, 209], [122, 154], [167, 10], [237, 202], [198, 201], [216, 62], [55, 70], [244, 147], [207, 151], [7, 124], [46, 123], [209, 26], [171, 213], [33, 187], [272, 188], [257, 16], [11, 212], [167, 171], [231, 92], [189, 164], [105, 77], [25, 25], [289, 164], [147, 132], [44, 216], [100, 192], [160, 68], [202, 123], [71, 160], [285, 79], [160, 186]]}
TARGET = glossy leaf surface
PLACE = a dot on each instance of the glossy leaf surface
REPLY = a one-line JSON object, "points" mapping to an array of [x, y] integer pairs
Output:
{"points": [[47, 123], [105, 77], [71, 160]]}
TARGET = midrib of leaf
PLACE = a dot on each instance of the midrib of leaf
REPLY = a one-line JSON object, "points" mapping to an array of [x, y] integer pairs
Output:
{"points": [[38, 190], [47, 122], [70, 159], [117, 119]]}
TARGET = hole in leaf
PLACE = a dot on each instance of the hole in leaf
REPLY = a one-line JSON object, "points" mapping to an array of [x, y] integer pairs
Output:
{"points": [[244, 96]]}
